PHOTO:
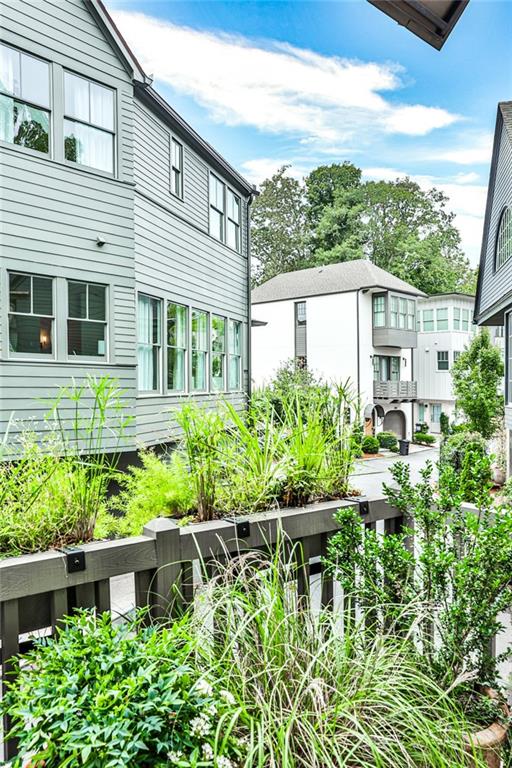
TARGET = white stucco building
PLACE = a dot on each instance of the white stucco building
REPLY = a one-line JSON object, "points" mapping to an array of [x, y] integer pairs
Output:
{"points": [[350, 320], [445, 328]]}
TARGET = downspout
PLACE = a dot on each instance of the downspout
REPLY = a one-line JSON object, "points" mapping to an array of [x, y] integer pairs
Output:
{"points": [[358, 347], [249, 304]]}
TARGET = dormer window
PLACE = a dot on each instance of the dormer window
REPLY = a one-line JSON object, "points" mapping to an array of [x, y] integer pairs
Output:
{"points": [[504, 239]]}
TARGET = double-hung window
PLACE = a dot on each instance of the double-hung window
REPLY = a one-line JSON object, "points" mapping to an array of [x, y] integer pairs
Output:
{"points": [[465, 319], [217, 207], [393, 311], [442, 361], [233, 221], [456, 355], [176, 167], [89, 124], [218, 353], [428, 319], [199, 379], [379, 311], [394, 369], [411, 315], [87, 319], [456, 318], [24, 100], [176, 347], [30, 314], [149, 343], [235, 355], [402, 317], [442, 319]]}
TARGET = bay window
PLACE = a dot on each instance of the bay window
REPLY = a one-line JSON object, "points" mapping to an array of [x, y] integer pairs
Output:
{"points": [[456, 318], [149, 334], [465, 319], [233, 221], [24, 100], [176, 347], [87, 322], [402, 317], [442, 319], [30, 314], [394, 311], [199, 379], [88, 123], [235, 355], [218, 353], [411, 315]]}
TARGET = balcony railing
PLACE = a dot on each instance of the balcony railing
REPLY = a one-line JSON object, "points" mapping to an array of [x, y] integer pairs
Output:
{"points": [[395, 390]]}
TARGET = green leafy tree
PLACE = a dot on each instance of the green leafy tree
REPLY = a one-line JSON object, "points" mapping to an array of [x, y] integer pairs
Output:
{"points": [[477, 376], [324, 184], [279, 227]]}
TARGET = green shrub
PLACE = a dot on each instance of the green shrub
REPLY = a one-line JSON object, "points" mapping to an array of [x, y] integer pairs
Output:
{"points": [[424, 438], [455, 447], [465, 456], [388, 440], [444, 424], [103, 695], [370, 444]]}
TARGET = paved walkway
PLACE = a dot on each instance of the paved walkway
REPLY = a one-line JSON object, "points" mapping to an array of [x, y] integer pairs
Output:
{"points": [[370, 474]]}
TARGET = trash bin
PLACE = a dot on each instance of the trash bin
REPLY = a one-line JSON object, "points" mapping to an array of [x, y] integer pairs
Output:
{"points": [[404, 447]]}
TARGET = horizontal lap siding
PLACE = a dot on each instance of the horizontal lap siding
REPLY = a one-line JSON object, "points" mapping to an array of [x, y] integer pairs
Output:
{"points": [[497, 285]]}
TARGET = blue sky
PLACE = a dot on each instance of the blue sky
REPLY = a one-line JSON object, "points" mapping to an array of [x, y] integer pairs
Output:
{"points": [[317, 82]]}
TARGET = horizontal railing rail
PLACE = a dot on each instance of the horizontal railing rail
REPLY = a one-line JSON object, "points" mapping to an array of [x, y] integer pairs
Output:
{"points": [[395, 390]]}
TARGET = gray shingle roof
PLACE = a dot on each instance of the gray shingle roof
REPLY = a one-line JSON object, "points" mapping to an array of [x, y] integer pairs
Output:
{"points": [[333, 278]]}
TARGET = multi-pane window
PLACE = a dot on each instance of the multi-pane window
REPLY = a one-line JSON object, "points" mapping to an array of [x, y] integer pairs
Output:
{"points": [[386, 368], [504, 239], [428, 319], [24, 100], [149, 342], [88, 123], [393, 306], [411, 315], [394, 369], [418, 320], [30, 314], [442, 319], [300, 309], [217, 207], [435, 413], [218, 353], [176, 347], [465, 319], [379, 311], [199, 379], [442, 361], [233, 220], [87, 320], [235, 354], [456, 318], [456, 355], [402, 317], [176, 168]]}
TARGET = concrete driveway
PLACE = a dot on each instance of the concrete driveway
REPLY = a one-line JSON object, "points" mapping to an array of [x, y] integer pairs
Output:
{"points": [[370, 474]]}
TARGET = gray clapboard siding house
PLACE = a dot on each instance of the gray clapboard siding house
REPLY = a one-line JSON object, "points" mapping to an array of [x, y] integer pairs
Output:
{"points": [[124, 235], [494, 292]]}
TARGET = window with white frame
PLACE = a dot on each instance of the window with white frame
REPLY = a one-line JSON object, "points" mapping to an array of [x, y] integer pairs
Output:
{"points": [[411, 315], [379, 311], [87, 320], [300, 312], [235, 355], [443, 362], [402, 317], [176, 167], [218, 355], [428, 319], [24, 100], [30, 314], [465, 319], [456, 318], [442, 318], [176, 347], [89, 123], [393, 311], [199, 362], [233, 228], [435, 413], [504, 239], [217, 207], [149, 343], [456, 355]]}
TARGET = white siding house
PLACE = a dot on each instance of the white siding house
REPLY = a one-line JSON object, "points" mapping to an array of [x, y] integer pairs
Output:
{"points": [[350, 320]]}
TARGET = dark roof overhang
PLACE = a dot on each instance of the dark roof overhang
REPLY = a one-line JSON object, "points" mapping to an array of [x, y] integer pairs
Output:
{"points": [[431, 20]]}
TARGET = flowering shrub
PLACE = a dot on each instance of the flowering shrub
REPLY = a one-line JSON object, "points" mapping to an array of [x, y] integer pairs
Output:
{"points": [[102, 695]]}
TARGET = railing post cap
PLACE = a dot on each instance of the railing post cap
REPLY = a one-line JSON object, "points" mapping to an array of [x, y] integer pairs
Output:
{"points": [[159, 525]]}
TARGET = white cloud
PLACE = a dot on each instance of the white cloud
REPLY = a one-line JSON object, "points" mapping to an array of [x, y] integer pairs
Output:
{"points": [[478, 152], [466, 199], [276, 87], [261, 168]]}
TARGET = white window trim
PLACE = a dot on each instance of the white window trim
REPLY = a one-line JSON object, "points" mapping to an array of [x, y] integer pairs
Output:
{"points": [[32, 356], [106, 323]]}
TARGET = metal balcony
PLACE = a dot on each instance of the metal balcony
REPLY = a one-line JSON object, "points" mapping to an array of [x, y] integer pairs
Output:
{"points": [[395, 391]]}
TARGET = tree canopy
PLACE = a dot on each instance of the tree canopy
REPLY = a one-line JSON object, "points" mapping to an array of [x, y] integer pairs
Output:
{"points": [[334, 216]]}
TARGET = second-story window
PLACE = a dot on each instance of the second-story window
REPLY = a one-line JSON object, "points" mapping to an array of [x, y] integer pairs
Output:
{"points": [[89, 123], [428, 319], [411, 315], [504, 239], [442, 319], [465, 319], [149, 312], [218, 353], [456, 318], [379, 312], [233, 221], [217, 207], [402, 317], [235, 355], [176, 347], [30, 314], [393, 313], [87, 319], [24, 100], [199, 351], [443, 362], [176, 168]]}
